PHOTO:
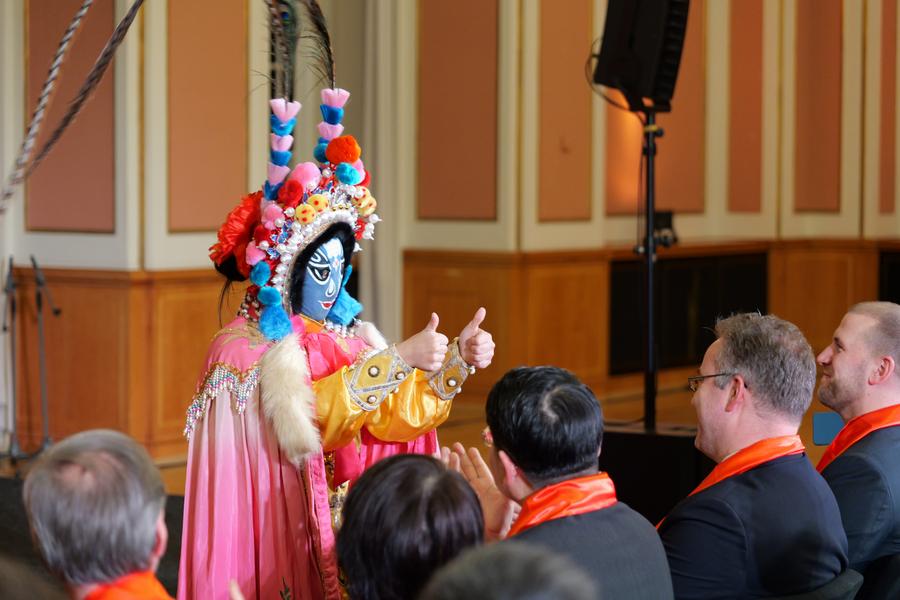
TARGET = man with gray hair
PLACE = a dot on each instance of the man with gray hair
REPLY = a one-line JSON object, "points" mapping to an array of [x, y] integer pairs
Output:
{"points": [[95, 505], [860, 381], [763, 523]]}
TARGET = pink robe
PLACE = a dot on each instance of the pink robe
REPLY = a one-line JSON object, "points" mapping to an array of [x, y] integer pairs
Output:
{"points": [[249, 514]]}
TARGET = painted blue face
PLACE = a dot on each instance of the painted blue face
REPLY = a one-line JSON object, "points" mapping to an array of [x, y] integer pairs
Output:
{"points": [[322, 280]]}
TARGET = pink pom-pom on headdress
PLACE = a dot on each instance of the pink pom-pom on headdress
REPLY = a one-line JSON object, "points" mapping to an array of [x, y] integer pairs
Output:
{"points": [[254, 254], [329, 131], [276, 174], [336, 97], [307, 174], [284, 110], [281, 143]]}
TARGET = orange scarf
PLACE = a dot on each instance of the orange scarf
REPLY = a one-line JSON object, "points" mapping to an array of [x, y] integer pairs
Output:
{"points": [[858, 428], [144, 586], [750, 457], [564, 499]]}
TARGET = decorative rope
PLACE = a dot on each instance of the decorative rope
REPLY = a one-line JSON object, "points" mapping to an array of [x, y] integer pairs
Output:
{"points": [[90, 83], [18, 174]]}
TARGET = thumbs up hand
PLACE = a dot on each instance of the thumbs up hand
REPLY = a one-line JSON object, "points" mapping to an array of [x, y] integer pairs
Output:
{"points": [[426, 349], [476, 346]]}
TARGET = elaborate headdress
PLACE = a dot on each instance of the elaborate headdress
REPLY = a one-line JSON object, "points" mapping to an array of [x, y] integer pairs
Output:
{"points": [[265, 234]]}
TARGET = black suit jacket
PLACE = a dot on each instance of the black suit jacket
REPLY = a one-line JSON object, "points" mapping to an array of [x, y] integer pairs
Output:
{"points": [[616, 546], [865, 480], [773, 530]]}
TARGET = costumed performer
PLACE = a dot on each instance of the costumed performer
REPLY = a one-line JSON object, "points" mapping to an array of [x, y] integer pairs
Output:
{"points": [[297, 398]]}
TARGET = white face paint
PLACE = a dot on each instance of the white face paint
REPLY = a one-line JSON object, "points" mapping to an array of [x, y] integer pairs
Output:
{"points": [[322, 280]]}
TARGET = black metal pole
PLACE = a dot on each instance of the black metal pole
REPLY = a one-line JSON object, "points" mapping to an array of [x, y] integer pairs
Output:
{"points": [[650, 133]]}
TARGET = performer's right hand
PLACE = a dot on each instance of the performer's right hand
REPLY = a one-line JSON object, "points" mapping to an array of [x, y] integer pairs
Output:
{"points": [[425, 350]]}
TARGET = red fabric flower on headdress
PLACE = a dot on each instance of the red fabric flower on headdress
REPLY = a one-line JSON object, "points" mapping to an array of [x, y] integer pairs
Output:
{"points": [[234, 234]]}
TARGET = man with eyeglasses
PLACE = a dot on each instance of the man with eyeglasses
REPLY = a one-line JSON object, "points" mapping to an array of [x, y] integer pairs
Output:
{"points": [[764, 522], [544, 433], [860, 381]]}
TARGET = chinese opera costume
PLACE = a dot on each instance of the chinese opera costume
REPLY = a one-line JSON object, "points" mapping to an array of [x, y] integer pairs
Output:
{"points": [[296, 397]]}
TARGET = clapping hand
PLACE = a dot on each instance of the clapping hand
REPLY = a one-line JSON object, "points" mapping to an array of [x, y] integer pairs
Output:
{"points": [[476, 346], [425, 350], [499, 510]]}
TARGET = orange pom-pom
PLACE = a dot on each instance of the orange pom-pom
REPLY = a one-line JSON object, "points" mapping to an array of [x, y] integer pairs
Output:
{"points": [[343, 149]]}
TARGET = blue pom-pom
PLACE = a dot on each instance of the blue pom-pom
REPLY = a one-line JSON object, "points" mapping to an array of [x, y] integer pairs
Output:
{"points": [[322, 141], [274, 322], [345, 307], [280, 157], [279, 128], [260, 273], [319, 152], [271, 191], [331, 114], [269, 296], [347, 174]]}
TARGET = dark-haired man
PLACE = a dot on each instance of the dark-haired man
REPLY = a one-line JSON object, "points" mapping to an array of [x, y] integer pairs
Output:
{"points": [[544, 431], [860, 381], [763, 523]]}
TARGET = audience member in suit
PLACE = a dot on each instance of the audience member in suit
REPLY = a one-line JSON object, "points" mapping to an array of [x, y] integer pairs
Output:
{"points": [[861, 382], [764, 522], [510, 571], [404, 518], [545, 428], [95, 506]]}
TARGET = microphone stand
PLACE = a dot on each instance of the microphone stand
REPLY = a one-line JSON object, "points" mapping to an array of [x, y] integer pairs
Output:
{"points": [[40, 288], [14, 452]]}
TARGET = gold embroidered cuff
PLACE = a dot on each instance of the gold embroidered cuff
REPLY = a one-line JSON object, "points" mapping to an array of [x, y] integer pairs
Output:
{"points": [[447, 381], [371, 379]]}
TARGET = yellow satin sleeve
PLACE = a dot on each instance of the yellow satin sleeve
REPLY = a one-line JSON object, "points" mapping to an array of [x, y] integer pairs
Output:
{"points": [[412, 410], [340, 418]]}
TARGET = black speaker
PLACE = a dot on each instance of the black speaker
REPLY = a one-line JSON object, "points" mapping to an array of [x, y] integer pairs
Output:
{"points": [[641, 50], [652, 471]]}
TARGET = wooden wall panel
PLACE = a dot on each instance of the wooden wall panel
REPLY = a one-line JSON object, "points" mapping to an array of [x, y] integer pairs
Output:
{"points": [[74, 188], [565, 130], [745, 108], [207, 111], [125, 353], [817, 142], [568, 313], [457, 110], [184, 321], [887, 133], [812, 284], [454, 285], [86, 353]]}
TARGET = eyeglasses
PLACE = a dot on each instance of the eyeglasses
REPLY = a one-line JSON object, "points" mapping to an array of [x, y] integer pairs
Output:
{"points": [[695, 381]]}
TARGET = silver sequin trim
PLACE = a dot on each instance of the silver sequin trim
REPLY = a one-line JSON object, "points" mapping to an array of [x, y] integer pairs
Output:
{"points": [[222, 378]]}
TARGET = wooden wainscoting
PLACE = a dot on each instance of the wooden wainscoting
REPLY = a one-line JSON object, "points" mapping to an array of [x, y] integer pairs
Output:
{"points": [[812, 283], [542, 307], [125, 353], [553, 307]]}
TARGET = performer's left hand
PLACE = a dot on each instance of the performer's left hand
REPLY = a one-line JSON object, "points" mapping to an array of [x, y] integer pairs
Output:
{"points": [[476, 346]]}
